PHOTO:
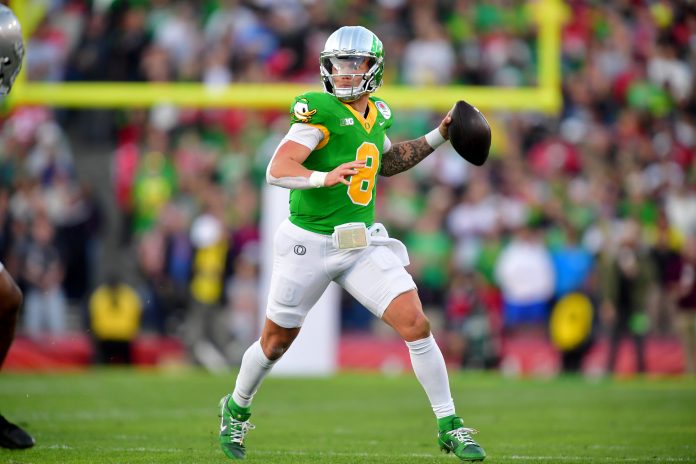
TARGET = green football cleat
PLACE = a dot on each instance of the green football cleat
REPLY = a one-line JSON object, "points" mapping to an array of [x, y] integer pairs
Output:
{"points": [[458, 441], [233, 429]]}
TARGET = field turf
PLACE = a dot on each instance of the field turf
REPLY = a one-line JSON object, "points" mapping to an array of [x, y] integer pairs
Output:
{"points": [[131, 416]]}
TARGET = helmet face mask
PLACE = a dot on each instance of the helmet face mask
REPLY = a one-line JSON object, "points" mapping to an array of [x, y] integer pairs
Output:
{"points": [[11, 49], [348, 50]]}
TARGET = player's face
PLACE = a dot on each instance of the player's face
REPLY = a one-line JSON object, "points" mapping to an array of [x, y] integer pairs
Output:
{"points": [[348, 71]]}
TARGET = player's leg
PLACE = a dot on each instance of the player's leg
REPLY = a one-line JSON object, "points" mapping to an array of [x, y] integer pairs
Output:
{"points": [[405, 315], [381, 284], [615, 337], [685, 323], [11, 436], [297, 282], [10, 303], [257, 362]]}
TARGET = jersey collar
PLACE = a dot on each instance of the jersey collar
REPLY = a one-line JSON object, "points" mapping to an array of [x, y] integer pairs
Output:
{"points": [[366, 123]]}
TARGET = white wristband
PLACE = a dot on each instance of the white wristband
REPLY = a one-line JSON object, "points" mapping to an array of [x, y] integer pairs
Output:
{"points": [[434, 138], [317, 178]]}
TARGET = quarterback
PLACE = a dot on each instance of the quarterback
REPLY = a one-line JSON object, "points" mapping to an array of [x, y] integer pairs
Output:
{"points": [[11, 54], [330, 159]]}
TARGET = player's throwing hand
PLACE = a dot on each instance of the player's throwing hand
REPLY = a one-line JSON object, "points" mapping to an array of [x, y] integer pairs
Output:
{"points": [[444, 124]]}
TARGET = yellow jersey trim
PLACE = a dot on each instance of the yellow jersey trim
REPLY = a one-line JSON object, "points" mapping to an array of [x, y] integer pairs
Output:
{"points": [[368, 123], [324, 131]]}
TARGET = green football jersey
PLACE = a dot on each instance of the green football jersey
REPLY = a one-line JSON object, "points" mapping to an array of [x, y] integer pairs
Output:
{"points": [[348, 136]]}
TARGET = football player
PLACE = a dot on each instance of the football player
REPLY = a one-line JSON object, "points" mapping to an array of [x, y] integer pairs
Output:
{"points": [[11, 54], [330, 159]]}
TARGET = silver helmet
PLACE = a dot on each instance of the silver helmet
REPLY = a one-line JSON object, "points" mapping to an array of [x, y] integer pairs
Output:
{"points": [[346, 49], [11, 49]]}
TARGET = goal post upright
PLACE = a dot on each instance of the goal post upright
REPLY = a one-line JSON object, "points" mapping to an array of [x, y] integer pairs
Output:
{"points": [[545, 97]]}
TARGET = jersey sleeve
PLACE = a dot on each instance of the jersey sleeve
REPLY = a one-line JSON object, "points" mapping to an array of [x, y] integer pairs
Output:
{"points": [[305, 134], [311, 109]]}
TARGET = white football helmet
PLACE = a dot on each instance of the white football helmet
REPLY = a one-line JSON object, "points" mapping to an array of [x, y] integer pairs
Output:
{"points": [[11, 49], [346, 49]]}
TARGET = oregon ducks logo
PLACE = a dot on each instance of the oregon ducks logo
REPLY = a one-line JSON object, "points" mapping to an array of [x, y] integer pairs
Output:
{"points": [[301, 112], [300, 250]]}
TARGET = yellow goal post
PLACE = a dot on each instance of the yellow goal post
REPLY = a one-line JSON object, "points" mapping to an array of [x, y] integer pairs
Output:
{"points": [[545, 97]]}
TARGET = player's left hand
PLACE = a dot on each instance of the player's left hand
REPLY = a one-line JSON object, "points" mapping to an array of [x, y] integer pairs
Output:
{"points": [[445, 123]]}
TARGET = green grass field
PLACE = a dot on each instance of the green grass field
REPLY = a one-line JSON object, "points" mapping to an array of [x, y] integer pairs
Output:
{"points": [[128, 416]]}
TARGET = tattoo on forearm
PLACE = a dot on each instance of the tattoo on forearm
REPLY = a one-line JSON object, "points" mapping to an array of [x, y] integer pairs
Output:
{"points": [[403, 156]]}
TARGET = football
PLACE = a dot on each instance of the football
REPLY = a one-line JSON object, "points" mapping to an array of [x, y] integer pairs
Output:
{"points": [[469, 133]]}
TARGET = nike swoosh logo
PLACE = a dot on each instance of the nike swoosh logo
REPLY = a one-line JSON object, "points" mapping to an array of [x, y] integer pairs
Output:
{"points": [[381, 123]]}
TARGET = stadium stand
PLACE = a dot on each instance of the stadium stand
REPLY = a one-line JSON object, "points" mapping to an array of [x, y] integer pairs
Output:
{"points": [[620, 152]]}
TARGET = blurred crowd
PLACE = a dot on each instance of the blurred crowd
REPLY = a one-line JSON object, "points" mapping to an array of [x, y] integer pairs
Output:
{"points": [[219, 42], [599, 200]]}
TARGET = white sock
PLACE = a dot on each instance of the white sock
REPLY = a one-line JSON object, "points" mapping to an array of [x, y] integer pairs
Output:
{"points": [[429, 366], [255, 366]]}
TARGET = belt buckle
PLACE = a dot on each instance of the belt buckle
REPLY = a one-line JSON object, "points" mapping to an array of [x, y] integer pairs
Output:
{"points": [[351, 236]]}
